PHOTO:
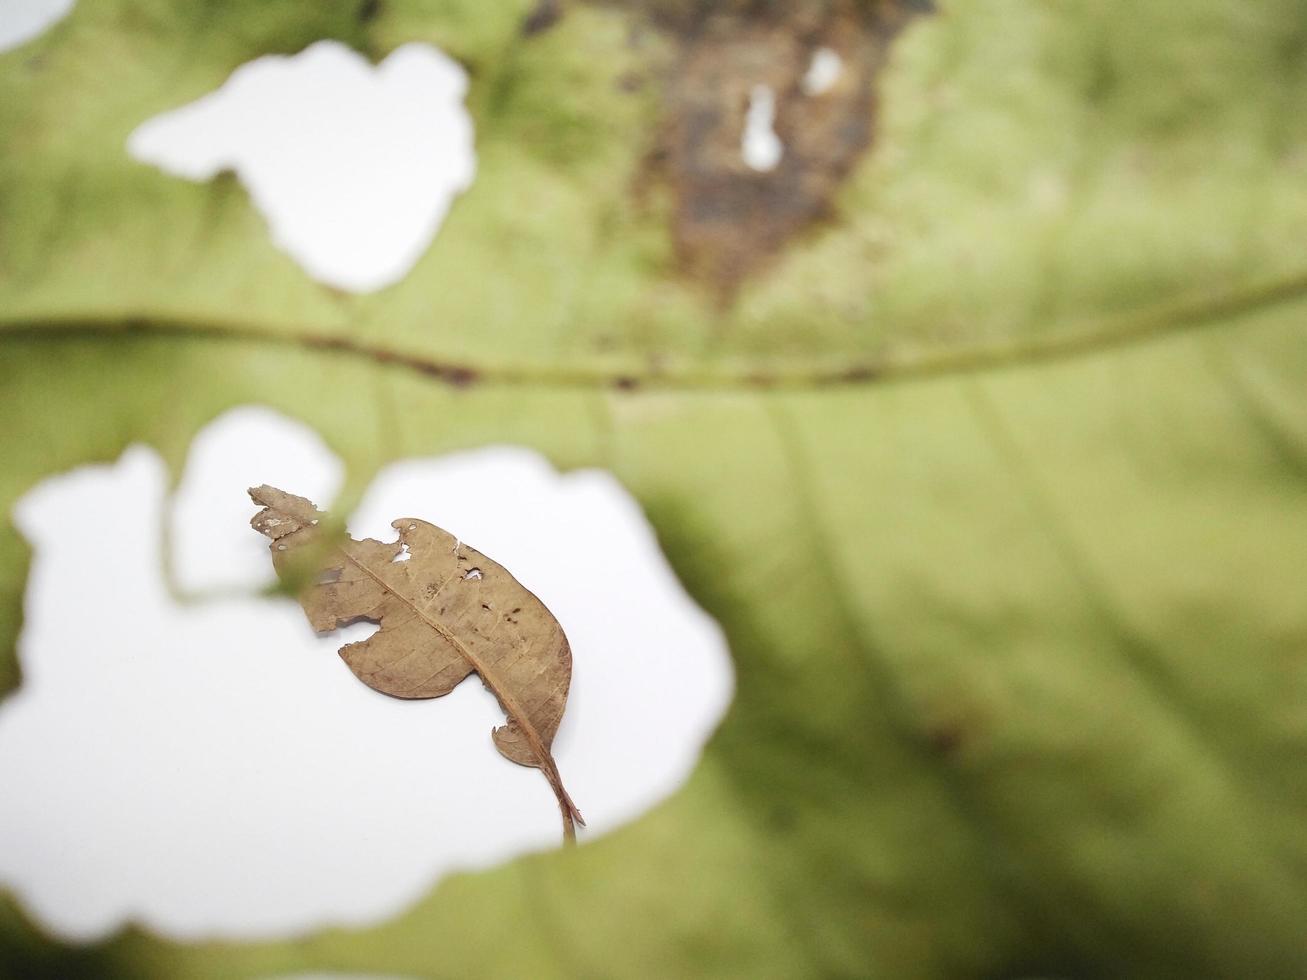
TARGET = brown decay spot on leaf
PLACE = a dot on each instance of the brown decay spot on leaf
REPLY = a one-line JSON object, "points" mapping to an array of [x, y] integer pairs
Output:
{"points": [[946, 738], [950, 733], [447, 612], [541, 17], [730, 220]]}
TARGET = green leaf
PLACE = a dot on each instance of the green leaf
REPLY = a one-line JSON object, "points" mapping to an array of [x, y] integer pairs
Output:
{"points": [[995, 476]]}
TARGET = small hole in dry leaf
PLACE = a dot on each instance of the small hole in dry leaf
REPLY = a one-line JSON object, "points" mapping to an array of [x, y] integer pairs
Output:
{"points": [[281, 547], [354, 630], [472, 573], [404, 555]]}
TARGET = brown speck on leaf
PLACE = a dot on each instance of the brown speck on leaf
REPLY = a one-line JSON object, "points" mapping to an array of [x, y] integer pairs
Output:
{"points": [[455, 375], [421, 651], [326, 343], [858, 373], [946, 738], [543, 16], [730, 220], [461, 377]]}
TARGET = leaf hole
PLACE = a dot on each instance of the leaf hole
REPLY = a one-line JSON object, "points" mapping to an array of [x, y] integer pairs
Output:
{"points": [[823, 72], [472, 573], [355, 631], [353, 165], [760, 147], [23, 22]]}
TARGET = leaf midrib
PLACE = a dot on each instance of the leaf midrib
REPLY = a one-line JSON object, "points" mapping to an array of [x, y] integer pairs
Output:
{"points": [[1103, 334]]}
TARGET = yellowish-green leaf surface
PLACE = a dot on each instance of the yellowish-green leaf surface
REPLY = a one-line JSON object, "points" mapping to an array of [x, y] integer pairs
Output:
{"points": [[995, 476]]}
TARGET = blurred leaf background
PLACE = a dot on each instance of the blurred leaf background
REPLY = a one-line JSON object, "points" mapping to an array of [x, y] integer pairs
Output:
{"points": [[991, 458]]}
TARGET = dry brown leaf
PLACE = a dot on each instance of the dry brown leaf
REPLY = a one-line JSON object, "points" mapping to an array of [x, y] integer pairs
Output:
{"points": [[446, 612]]}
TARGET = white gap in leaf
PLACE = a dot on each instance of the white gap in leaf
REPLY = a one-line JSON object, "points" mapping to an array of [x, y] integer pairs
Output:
{"points": [[353, 166], [214, 769], [822, 73], [209, 516], [760, 147], [354, 632], [25, 20]]}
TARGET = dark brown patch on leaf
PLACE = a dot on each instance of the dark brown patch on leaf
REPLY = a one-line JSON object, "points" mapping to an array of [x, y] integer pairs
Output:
{"points": [[946, 738], [542, 17], [858, 374], [729, 219], [461, 377], [950, 734]]}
